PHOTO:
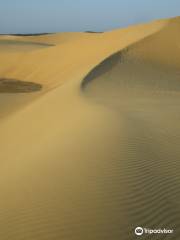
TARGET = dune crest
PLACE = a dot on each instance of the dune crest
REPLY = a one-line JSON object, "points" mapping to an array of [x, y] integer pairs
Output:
{"points": [[94, 153]]}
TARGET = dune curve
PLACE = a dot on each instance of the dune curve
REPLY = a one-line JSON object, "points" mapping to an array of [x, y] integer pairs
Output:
{"points": [[141, 86], [92, 156]]}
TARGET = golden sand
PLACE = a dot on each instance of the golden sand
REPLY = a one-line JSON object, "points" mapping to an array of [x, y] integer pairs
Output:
{"points": [[94, 152]]}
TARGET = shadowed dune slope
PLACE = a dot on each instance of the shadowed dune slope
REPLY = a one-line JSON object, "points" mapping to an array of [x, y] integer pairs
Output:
{"points": [[156, 58], [141, 85], [95, 153], [17, 86]]}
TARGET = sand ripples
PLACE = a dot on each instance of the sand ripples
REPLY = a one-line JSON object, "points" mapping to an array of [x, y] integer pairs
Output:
{"points": [[145, 97]]}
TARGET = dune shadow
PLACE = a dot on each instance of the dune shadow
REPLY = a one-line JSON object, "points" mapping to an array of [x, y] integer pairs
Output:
{"points": [[18, 86], [102, 68], [124, 72]]}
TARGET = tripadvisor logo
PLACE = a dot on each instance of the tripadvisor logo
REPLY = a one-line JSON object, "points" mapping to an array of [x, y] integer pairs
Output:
{"points": [[140, 231]]}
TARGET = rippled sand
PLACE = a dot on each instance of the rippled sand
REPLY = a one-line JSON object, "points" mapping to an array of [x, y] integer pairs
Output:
{"points": [[94, 152]]}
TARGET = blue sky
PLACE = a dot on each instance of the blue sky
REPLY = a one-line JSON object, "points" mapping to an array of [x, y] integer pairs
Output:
{"points": [[32, 16]]}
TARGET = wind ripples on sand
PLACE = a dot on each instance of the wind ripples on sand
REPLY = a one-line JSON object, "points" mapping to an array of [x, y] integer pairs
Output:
{"points": [[145, 97]]}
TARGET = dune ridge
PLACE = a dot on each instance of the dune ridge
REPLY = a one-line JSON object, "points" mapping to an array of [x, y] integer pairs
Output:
{"points": [[94, 153]]}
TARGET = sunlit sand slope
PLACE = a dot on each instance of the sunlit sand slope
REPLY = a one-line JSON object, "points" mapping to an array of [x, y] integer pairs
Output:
{"points": [[73, 55], [94, 152]]}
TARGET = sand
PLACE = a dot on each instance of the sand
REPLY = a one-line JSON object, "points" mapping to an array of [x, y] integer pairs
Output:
{"points": [[94, 152]]}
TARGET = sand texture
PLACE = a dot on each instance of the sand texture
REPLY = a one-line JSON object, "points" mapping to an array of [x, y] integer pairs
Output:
{"points": [[90, 134]]}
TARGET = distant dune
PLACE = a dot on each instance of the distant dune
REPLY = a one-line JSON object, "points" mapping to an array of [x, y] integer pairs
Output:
{"points": [[92, 32], [90, 133]]}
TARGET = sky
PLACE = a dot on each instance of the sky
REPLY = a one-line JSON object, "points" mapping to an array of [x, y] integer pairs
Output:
{"points": [[37, 16]]}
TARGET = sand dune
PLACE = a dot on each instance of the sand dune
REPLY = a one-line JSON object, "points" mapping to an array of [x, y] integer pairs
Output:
{"points": [[94, 152]]}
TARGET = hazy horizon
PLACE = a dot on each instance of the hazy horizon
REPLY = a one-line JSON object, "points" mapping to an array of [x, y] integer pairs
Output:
{"points": [[22, 16]]}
